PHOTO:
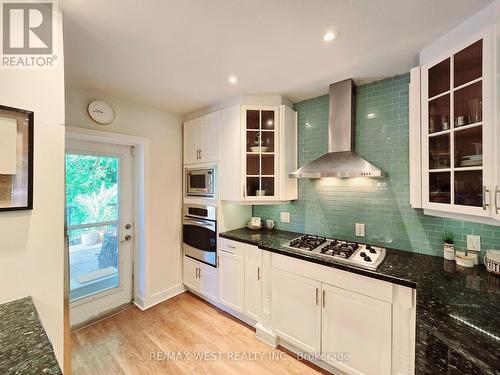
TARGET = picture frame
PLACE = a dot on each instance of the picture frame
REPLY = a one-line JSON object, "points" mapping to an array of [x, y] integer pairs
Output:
{"points": [[16, 159]]}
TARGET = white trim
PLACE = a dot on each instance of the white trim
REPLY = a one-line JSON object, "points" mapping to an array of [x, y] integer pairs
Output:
{"points": [[158, 297], [458, 216], [265, 335], [141, 197]]}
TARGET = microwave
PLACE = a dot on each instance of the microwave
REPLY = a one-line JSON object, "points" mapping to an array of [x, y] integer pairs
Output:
{"points": [[200, 182]]}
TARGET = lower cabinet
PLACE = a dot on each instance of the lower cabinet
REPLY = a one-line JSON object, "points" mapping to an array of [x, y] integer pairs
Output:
{"points": [[358, 325], [296, 310], [253, 282], [201, 278], [231, 280]]}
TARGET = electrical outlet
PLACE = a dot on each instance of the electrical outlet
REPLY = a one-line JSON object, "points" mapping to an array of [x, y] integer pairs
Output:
{"points": [[473, 242], [285, 217], [360, 229]]}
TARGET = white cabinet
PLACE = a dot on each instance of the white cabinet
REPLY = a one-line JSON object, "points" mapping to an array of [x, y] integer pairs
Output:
{"points": [[455, 171], [231, 279], [260, 150], [253, 282], [202, 139], [359, 325], [296, 310], [200, 278]]}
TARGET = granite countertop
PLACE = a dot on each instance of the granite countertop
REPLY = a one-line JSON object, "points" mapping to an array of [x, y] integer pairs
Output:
{"points": [[458, 309], [24, 345]]}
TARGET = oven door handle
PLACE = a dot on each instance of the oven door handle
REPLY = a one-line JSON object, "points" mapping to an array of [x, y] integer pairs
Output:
{"points": [[199, 223]]}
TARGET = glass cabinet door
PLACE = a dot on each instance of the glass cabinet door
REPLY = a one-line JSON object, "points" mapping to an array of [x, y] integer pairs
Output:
{"points": [[455, 128], [260, 156]]}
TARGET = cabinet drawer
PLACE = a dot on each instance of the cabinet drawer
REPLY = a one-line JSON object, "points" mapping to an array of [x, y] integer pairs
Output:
{"points": [[368, 286], [233, 247]]}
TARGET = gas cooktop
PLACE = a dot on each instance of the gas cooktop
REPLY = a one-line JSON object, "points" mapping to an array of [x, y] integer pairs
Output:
{"points": [[365, 256]]}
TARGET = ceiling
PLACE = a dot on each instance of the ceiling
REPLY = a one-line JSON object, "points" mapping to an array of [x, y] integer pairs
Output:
{"points": [[178, 54]]}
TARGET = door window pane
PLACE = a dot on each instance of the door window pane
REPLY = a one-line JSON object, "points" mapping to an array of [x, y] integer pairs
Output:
{"points": [[469, 188], [439, 78], [439, 152], [469, 147], [468, 64], [439, 114], [468, 105], [439, 187]]}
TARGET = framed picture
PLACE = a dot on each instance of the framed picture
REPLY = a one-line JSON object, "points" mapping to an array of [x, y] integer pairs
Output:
{"points": [[16, 159]]}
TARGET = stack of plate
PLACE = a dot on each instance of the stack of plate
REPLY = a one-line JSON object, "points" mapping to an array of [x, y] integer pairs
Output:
{"points": [[471, 161]]}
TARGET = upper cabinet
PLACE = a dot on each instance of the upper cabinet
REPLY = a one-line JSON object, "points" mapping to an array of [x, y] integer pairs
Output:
{"points": [[259, 151], [202, 139], [456, 124]]}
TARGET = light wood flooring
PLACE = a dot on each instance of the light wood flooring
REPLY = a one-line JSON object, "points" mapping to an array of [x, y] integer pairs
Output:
{"points": [[123, 343]]}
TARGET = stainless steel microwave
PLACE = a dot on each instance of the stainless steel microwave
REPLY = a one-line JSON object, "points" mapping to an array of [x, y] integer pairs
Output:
{"points": [[200, 182]]}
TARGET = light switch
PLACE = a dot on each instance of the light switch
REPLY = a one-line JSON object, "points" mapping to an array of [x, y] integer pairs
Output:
{"points": [[285, 217]]}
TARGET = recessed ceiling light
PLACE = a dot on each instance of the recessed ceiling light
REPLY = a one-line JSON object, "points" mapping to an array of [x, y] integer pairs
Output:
{"points": [[329, 36], [232, 80]]}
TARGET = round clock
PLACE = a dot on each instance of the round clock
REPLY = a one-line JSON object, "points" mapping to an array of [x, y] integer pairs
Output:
{"points": [[101, 112]]}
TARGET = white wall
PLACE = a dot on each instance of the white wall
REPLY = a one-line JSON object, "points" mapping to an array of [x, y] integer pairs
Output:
{"points": [[164, 210], [31, 242]]}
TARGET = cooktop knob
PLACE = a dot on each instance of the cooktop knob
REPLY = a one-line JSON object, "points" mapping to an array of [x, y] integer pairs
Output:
{"points": [[367, 259], [370, 249], [362, 254]]}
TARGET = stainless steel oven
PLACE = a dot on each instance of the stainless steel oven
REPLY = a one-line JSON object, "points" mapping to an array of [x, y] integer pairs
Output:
{"points": [[200, 182], [199, 232]]}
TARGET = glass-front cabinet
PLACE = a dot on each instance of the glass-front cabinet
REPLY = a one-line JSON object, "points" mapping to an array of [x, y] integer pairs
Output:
{"points": [[457, 134], [261, 133]]}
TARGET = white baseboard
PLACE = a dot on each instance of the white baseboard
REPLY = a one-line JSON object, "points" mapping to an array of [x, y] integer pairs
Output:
{"points": [[145, 303], [266, 335]]}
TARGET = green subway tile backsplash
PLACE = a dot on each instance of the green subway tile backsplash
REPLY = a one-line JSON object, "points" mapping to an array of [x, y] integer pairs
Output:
{"points": [[331, 207]]}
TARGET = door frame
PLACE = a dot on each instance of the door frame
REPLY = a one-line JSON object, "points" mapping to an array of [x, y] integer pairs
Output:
{"points": [[140, 284]]}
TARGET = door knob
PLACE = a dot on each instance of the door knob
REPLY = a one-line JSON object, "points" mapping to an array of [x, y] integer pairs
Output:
{"points": [[128, 226], [127, 238]]}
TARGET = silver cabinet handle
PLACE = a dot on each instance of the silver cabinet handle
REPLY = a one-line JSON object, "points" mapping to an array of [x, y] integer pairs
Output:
{"points": [[485, 205], [496, 198], [231, 246], [258, 273], [196, 273], [323, 299], [200, 153], [317, 296]]}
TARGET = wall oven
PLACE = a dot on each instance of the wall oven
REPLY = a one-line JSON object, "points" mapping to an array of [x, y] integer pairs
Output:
{"points": [[199, 232], [200, 182]]}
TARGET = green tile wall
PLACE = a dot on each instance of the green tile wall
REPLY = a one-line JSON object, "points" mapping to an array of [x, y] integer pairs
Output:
{"points": [[330, 207]]}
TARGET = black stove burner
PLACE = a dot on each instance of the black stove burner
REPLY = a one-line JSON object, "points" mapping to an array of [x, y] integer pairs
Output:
{"points": [[340, 249], [308, 242]]}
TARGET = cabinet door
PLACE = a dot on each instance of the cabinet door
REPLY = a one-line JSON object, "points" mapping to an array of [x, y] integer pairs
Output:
{"points": [[190, 273], [209, 285], [261, 148], [296, 310], [253, 281], [358, 325], [210, 143], [457, 130], [192, 140], [231, 280]]}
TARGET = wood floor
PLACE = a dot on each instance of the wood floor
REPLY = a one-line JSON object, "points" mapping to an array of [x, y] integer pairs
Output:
{"points": [[123, 343]]}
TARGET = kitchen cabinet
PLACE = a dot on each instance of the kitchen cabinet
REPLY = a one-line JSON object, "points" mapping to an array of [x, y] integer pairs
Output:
{"points": [[200, 278], [260, 150], [458, 157], [231, 277], [296, 310], [359, 325], [202, 139], [253, 282]]}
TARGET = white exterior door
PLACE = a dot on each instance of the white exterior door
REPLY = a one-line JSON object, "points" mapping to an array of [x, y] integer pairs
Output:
{"points": [[99, 212], [210, 150], [193, 130], [231, 280], [296, 310], [357, 325], [253, 281]]}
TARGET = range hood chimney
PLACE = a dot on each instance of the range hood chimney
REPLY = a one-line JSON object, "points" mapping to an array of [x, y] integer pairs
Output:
{"points": [[341, 160]]}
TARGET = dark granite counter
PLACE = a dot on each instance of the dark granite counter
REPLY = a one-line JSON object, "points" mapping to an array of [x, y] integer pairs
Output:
{"points": [[458, 309], [24, 345]]}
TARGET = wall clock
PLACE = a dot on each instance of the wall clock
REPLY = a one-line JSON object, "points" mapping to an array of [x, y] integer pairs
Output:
{"points": [[101, 112]]}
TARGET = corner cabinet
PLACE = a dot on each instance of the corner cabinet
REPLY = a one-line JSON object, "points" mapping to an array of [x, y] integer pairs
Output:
{"points": [[260, 150], [454, 166]]}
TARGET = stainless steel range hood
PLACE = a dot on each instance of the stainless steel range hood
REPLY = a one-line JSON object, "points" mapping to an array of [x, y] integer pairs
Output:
{"points": [[341, 160]]}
